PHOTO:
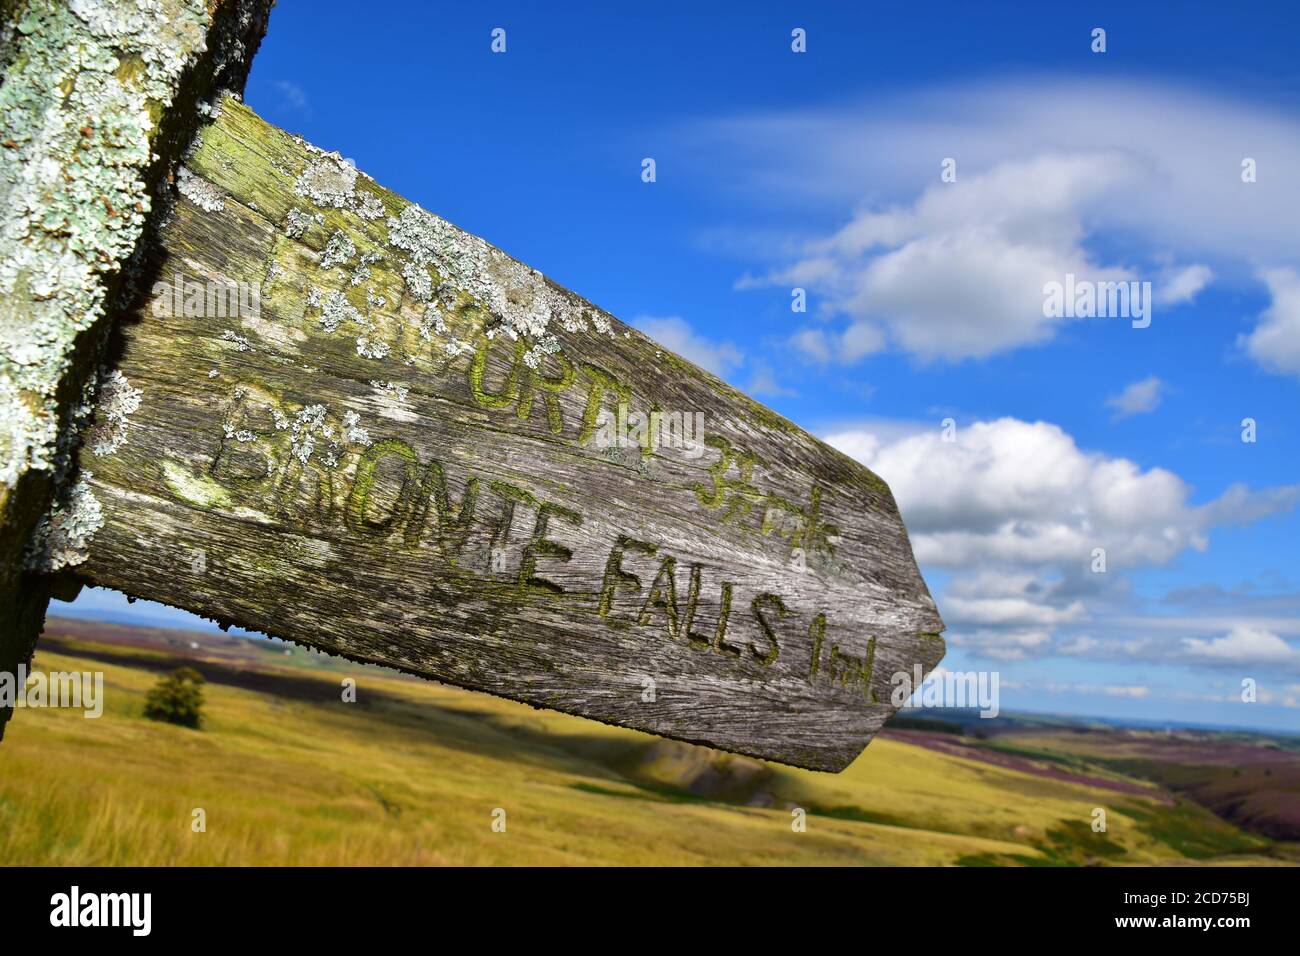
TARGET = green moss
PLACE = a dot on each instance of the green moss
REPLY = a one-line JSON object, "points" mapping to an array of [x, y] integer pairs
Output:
{"points": [[198, 490], [616, 577], [509, 392], [773, 602], [663, 596], [540, 545], [363, 485]]}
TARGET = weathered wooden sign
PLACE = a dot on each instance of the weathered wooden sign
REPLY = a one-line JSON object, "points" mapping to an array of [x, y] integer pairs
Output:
{"points": [[336, 418], [341, 420]]}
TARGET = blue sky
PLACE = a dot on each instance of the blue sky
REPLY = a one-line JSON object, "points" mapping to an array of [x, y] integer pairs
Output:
{"points": [[821, 170]]}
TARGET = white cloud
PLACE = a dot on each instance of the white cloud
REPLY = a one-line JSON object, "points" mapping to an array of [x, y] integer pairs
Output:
{"points": [[1188, 198], [1005, 613], [961, 272], [294, 95], [1137, 398], [1275, 342], [859, 444], [1002, 644], [1000, 611], [853, 343], [1289, 697], [1243, 645], [765, 383], [1203, 622], [1023, 492], [1015, 509], [1078, 645], [1238, 505], [813, 344], [675, 334], [1183, 285], [955, 270]]}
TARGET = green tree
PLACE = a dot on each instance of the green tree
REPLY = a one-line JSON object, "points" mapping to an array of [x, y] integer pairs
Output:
{"points": [[177, 698]]}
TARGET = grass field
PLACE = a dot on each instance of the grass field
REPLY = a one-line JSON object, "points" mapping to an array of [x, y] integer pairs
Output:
{"points": [[287, 773]]}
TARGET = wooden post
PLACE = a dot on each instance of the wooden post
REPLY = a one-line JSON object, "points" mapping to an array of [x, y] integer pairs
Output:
{"points": [[339, 419], [99, 98]]}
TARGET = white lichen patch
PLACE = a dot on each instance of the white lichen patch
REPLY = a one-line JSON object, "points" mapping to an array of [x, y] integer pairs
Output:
{"points": [[205, 195], [372, 348], [520, 300], [328, 181], [118, 401], [418, 281], [338, 250], [393, 390], [240, 342], [298, 221], [432, 322], [311, 427], [62, 538], [547, 346], [362, 272], [353, 430], [27, 438], [304, 428], [78, 141], [369, 207], [336, 310], [274, 272]]}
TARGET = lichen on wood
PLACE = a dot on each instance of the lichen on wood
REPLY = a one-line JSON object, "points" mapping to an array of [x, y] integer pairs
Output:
{"points": [[99, 98]]}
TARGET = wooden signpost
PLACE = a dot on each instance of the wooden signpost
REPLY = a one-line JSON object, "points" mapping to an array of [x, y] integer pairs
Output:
{"points": [[98, 99], [336, 418]]}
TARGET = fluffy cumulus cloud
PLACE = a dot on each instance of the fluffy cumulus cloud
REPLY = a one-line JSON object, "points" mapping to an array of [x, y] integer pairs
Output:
{"points": [[953, 270], [675, 334], [1242, 645], [1275, 342], [1024, 492], [1016, 511], [961, 271]]}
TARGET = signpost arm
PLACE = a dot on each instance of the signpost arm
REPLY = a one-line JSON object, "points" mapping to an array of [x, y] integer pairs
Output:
{"points": [[341, 420]]}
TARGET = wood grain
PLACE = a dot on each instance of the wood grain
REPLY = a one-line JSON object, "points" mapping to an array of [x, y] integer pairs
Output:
{"points": [[407, 454]]}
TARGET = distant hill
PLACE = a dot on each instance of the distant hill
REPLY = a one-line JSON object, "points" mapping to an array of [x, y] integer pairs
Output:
{"points": [[968, 722], [1249, 778]]}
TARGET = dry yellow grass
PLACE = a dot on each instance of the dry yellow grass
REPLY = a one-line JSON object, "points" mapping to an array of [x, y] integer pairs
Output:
{"points": [[412, 773]]}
